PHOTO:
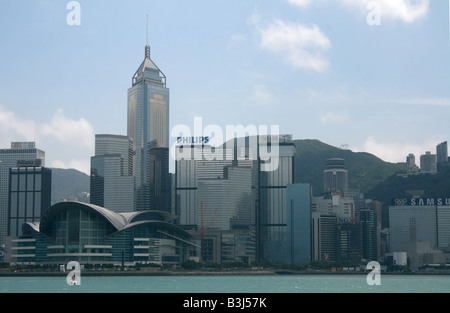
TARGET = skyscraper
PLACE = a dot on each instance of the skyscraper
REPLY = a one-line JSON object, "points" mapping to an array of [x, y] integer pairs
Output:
{"points": [[273, 206], [148, 128], [30, 194], [428, 163], [367, 218], [299, 223], [335, 176], [442, 153], [9, 158], [411, 167], [111, 182]]}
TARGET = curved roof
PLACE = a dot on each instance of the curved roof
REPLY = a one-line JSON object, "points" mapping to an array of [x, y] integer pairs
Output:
{"points": [[148, 215], [120, 221], [30, 226], [165, 224], [116, 220]]}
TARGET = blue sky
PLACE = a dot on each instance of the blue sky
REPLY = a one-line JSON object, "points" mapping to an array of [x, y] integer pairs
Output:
{"points": [[315, 68]]}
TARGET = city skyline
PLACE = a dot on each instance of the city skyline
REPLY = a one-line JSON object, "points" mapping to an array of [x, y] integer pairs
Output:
{"points": [[317, 69]]}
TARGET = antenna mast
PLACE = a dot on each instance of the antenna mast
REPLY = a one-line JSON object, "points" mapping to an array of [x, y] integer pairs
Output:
{"points": [[147, 47]]}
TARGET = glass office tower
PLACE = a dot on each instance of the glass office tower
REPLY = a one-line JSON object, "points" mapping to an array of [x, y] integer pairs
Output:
{"points": [[205, 186], [273, 206], [111, 181], [148, 128], [367, 218], [9, 158], [30, 188]]}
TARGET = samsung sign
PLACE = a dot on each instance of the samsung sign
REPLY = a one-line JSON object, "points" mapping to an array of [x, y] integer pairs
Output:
{"points": [[421, 201]]}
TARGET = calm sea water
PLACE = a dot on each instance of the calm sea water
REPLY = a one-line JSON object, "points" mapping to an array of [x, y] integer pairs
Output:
{"points": [[230, 284]]}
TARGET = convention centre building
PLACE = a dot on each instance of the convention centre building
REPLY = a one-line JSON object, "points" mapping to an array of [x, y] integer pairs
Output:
{"points": [[89, 234]]}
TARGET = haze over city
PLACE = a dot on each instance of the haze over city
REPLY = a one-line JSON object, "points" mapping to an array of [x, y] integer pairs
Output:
{"points": [[319, 69]]}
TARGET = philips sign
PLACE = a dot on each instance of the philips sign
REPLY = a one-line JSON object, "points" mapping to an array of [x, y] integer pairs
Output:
{"points": [[208, 143], [192, 140]]}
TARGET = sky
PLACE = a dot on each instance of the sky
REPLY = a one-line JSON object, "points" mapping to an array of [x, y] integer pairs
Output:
{"points": [[372, 76]]}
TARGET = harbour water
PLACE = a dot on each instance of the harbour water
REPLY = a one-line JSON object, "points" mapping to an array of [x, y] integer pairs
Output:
{"points": [[229, 284]]}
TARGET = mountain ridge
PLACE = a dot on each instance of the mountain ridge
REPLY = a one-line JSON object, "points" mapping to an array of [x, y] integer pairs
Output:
{"points": [[365, 170]]}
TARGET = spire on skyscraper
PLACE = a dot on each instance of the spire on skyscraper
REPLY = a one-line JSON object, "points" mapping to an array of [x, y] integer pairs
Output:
{"points": [[148, 69], [147, 46]]}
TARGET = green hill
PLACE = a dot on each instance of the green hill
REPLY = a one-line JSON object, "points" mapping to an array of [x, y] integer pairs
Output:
{"points": [[395, 187], [432, 186], [365, 171], [69, 184]]}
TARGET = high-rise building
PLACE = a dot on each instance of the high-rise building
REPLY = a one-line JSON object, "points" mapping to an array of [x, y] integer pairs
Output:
{"points": [[335, 231], [29, 194], [228, 202], [299, 223], [148, 128], [420, 227], [200, 173], [442, 153], [428, 163], [367, 218], [111, 181], [215, 200], [159, 180], [335, 176], [272, 202], [411, 167], [327, 238], [411, 223], [335, 204], [8, 159], [197, 165], [348, 242]]}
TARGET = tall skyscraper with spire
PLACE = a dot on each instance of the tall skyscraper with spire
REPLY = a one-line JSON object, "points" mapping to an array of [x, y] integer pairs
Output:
{"points": [[148, 128]]}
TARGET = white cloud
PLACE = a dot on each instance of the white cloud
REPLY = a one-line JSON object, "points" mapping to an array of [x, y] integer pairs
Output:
{"points": [[67, 143], [10, 123], [404, 10], [299, 45], [392, 151], [236, 40], [77, 132], [301, 3], [334, 117], [262, 95]]}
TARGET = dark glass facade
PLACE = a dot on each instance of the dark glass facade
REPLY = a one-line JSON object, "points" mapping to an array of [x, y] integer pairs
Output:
{"points": [[367, 218], [348, 240], [159, 180], [29, 196]]}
